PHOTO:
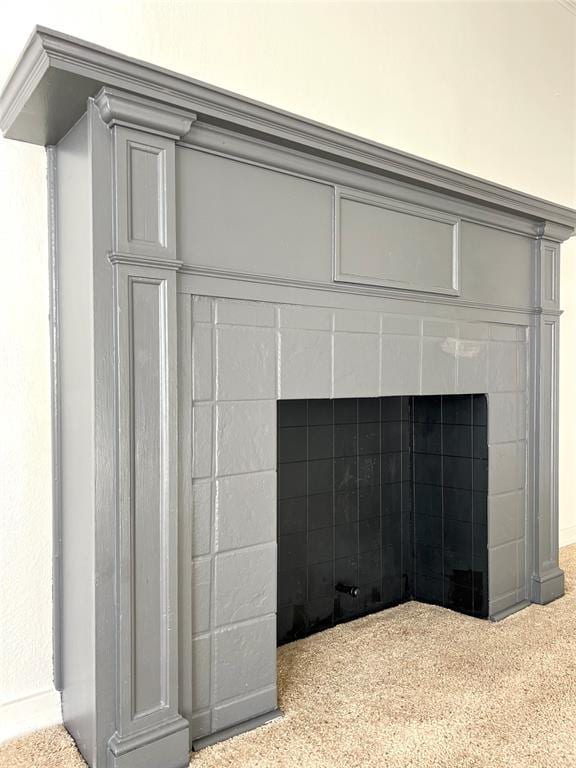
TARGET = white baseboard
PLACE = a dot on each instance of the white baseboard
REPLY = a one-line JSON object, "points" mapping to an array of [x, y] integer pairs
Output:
{"points": [[568, 536], [29, 713]]}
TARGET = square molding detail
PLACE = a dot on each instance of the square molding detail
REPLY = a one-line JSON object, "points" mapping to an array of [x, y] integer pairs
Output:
{"points": [[393, 244]]}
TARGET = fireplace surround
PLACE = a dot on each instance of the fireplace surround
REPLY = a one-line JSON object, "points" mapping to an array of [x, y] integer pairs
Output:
{"points": [[210, 257]]}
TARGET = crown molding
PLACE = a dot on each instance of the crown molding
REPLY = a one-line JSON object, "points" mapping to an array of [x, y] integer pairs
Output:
{"points": [[120, 108], [549, 230], [56, 74]]}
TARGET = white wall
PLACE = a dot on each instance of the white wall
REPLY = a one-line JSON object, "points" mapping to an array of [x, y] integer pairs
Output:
{"points": [[487, 87]]}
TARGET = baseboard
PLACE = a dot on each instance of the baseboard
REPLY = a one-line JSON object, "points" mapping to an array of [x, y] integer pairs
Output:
{"points": [[568, 536], [29, 713]]}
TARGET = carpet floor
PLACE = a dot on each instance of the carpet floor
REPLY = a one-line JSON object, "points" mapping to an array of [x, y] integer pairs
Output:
{"points": [[415, 685]]}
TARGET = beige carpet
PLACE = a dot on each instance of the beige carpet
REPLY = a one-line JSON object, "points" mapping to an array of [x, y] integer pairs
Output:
{"points": [[415, 685]]}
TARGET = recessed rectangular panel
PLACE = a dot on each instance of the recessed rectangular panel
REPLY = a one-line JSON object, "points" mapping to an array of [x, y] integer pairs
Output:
{"points": [[145, 169], [391, 244], [144, 204], [243, 218], [549, 278], [149, 603]]}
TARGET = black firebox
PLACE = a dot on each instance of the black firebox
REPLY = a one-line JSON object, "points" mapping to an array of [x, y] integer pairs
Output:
{"points": [[380, 500]]}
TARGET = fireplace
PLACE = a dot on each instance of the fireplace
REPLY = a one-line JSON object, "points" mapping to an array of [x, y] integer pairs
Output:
{"points": [[220, 271], [380, 500]]}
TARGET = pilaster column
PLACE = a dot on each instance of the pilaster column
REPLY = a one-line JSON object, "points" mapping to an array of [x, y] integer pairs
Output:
{"points": [[547, 576], [149, 728]]}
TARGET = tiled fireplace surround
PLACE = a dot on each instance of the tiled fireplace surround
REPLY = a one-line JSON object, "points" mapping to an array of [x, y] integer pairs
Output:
{"points": [[211, 256], [244, 357]]}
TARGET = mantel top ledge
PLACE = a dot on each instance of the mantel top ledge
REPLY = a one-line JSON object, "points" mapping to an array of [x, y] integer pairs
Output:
{"points": [[56, 74]]}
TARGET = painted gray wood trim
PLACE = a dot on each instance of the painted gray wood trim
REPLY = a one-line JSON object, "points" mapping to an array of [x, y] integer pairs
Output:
{"points": [[546, 444], [56, 74], [226, 143], [185, 506], [547, 588], [188, 272], [547, 281], [56, 439], [402, 208], [147, 502], [143, 262], [100, 227], [136, 259], [144, 194], [144, 174], [121, 108], [165, 746], [79, 622]]}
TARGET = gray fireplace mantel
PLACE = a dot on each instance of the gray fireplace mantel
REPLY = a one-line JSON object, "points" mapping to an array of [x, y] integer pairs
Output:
{"points": [[188, 223]]}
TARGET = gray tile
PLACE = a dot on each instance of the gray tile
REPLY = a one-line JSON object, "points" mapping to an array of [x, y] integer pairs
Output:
{"points": [[502, 332], [201, 309], [305, 318], [245, 584], [439, 366], [305, 363], [246, 363], [201, 666], [255, 704], [400, 361], [503, 569], [505, 467], [502, 366], [201, 513], [234, 312], [400, 326], [200, 725], [521, 566], [245, 658], [357, 322], [440, 329], [506, 518], [356, 365], [502, 603], [202, 440], [522, 365], [506, 417], [251, 426], [245, 510], [472, 366], [201, 582], [202, 362], [476, 331]]}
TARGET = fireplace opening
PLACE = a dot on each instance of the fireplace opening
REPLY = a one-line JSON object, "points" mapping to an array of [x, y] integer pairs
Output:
{"points": [[380, 500]]}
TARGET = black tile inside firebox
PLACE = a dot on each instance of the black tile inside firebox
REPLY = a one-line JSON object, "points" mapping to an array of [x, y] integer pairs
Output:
{"points": [[388, 495], [450, 502]]}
